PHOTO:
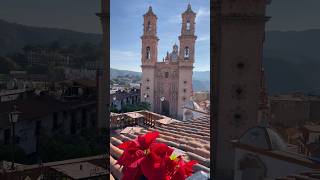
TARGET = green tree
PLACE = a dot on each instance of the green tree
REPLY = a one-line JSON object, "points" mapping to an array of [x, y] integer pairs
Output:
{"points": [[136, 107]]}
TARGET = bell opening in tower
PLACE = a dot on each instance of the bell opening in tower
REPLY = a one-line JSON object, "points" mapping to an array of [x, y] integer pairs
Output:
{"points": [[163, 53]]}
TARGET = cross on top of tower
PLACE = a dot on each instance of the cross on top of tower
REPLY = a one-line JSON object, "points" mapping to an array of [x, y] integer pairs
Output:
{"points": [[150, 12], [189, 9]]}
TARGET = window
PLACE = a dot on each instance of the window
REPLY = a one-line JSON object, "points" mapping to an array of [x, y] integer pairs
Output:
{"points": [[185, 82], [149, 26], [166, 74], [188, 25], [148, 53], [186, 52], [148, 80]]}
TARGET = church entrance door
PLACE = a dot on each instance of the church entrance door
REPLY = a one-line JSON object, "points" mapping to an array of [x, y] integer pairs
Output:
{"points": [[165, 107]]}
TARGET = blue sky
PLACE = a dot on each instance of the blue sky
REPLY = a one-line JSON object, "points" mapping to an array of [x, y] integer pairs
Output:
{"points": [[126, 21]]}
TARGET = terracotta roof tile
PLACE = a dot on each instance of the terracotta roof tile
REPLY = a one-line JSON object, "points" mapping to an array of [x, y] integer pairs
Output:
{"points": [[207, 147], [111, 177], [115, 141], [115, 169], [115, 152], [199, 167], [191, 138], [123, 137]]}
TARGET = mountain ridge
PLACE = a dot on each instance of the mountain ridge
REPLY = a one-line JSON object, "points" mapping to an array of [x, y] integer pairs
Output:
{"points": [[201, 79], [291, 58], [23, 35]]}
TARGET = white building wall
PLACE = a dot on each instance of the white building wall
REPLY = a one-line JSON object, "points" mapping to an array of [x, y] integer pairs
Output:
{"points": [[195, 114]]}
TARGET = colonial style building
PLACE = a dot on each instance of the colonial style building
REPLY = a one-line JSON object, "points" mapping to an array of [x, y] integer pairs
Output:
{"points": [[167, 85], [121, 98], [68, 108]]}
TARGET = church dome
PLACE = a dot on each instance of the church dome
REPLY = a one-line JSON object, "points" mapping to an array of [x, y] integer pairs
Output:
{"points": [[263, 138], [175, 47], [191, 105]]}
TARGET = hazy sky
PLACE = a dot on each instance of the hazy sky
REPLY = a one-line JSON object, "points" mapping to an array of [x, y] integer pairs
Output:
{"points": [[76, 15], [126, 22], [294, 15]]}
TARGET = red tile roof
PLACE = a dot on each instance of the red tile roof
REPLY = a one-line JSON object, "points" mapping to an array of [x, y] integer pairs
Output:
{"points": [[192, 138]]}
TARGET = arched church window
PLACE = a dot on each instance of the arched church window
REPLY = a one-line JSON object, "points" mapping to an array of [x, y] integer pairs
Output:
{"points": [[186, 52], [148, 53], [188, 25], [149, 26], [166, 74]]}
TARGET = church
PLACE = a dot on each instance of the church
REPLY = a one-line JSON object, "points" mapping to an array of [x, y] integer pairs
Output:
{"points": [[167, 84]]}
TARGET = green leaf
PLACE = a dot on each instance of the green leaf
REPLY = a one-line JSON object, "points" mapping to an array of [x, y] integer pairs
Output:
{"points": [[173, 156]]}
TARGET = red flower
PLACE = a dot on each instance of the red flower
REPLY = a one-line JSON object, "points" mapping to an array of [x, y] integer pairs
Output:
{"points": [[183, 169], [133, 150], [146, 140], [133, 153], [154, 164], [144, 156], [132, 171], [130, 154]]}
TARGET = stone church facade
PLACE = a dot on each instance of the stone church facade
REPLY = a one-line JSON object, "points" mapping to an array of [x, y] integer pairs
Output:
{"points": [[167, 85]]}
